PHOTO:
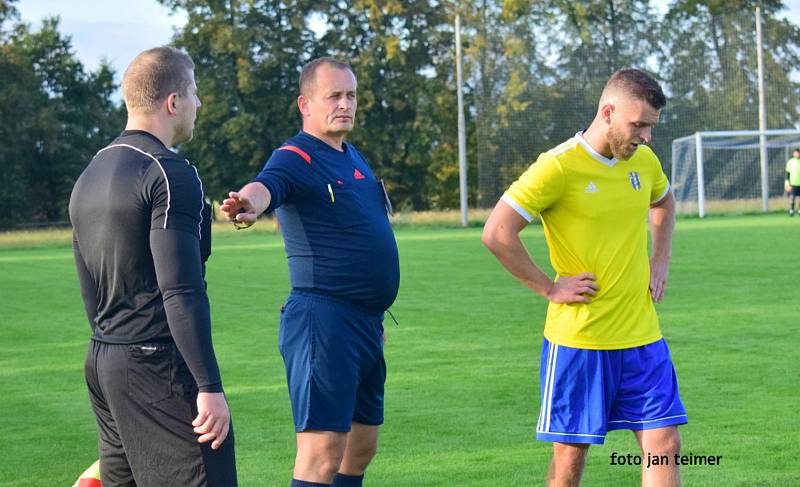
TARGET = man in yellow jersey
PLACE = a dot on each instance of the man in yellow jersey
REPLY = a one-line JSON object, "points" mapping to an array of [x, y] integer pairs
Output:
{"points": [[792, 184], [604, 365]]}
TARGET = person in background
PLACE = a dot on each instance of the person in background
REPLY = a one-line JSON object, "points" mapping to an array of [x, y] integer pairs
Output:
{"points": [[792, 183]]}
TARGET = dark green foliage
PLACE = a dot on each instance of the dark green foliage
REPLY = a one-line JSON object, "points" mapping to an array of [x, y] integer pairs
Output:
{"points": [[540, 66], [533, 71], [248, 56], [53, 117]]}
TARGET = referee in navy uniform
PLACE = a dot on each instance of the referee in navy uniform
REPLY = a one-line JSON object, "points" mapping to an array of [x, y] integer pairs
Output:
{"points": [[343, 264], [141, 235]]}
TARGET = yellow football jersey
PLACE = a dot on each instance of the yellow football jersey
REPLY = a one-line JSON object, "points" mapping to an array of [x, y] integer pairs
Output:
{"points": [[594, 211]]}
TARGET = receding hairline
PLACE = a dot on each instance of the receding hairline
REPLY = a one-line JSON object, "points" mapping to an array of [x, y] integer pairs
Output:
{"points": [[308, 75]]}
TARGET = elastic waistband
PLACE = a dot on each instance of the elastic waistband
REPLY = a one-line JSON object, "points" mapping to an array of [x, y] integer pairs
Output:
{"points": [[305, 293], [660, 342], [155, 340]]}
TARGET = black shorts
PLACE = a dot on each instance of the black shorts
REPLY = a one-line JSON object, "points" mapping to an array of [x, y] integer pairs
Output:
{"points": [[795, 191], [144, 399]]}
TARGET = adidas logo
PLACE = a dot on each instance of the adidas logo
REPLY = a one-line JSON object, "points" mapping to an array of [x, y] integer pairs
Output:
{"points": [[591, 188]]}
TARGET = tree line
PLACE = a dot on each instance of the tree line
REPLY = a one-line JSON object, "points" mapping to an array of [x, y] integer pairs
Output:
{"points": [[533, 72]]}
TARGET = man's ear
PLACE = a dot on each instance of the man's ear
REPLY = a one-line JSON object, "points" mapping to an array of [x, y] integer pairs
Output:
{"points": [[606, 111], [172, 109], [302, 105]]}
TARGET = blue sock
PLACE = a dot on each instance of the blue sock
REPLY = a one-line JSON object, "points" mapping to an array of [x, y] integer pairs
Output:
{"points": [[303, 483], [342, 480]]}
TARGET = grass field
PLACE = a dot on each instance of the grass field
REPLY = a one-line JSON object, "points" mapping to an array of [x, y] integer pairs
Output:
{"points": [[462, 394]]}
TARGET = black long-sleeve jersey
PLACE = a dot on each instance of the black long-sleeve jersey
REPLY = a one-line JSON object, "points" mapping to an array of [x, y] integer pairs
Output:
{"points": [[141, 235]]}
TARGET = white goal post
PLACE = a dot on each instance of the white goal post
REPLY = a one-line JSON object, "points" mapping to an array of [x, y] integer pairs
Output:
{"points": [[722, 171]]}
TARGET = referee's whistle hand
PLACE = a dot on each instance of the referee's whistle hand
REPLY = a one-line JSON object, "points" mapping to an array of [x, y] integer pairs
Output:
{"points": [[238, 210], [573, 289], [213, 418], [233, 205]]}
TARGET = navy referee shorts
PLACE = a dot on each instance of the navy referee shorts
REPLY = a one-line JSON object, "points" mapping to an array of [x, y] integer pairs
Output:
{"points": [[333, 353]]}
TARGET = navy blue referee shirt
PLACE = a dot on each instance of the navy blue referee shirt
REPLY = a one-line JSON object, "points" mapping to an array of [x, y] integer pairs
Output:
{"points": [[334, 222]]}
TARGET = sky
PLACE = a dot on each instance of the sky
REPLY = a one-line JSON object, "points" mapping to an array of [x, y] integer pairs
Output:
{"points": [[117, 30]]}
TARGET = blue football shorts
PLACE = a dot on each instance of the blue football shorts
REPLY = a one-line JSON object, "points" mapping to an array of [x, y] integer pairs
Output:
{"points": [[586, 393], [333, 353]]}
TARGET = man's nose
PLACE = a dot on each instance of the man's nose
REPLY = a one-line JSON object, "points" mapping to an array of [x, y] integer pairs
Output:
{"points": [[647, 135]]}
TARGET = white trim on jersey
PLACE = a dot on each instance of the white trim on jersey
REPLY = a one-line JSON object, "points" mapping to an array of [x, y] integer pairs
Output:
{"points": [[519, 209], [563, 147], [663, 195], [648, 420], [202, 199], [151, 156], [596, 155]]}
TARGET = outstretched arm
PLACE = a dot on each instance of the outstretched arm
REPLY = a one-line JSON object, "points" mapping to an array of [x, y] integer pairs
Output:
{"points": [[501, 236], [662, 224], [245, 206]]}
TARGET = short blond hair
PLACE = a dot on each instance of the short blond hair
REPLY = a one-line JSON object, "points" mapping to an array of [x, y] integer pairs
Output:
{"points": [[153, 75], [309, 73]]}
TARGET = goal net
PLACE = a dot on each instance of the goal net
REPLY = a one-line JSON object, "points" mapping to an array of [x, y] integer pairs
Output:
{"points": [[719, 172]]}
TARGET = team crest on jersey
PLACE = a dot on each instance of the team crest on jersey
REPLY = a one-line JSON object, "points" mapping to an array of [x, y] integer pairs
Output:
{"points": [[635, 182]]}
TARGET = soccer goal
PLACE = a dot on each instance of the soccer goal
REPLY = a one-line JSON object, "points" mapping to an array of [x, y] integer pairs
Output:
{"points": [[720, 172]]}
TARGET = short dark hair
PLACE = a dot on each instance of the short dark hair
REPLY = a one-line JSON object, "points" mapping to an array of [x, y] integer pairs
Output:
{"points": [[796, 149], [309, 73], [639, 85], [153, 75]]}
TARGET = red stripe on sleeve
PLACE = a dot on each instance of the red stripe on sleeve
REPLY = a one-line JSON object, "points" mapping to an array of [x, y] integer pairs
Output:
{"points": [[297, 150]]}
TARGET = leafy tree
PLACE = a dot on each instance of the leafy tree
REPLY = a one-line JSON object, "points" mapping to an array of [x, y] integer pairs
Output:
{"points": [[533, 72], [57, 116], [513, 107], [248, 56], [15, 84], [402, 52], [710, 63], [540, 65]]}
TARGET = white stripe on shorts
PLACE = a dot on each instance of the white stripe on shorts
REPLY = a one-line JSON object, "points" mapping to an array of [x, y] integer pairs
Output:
{"points": [[550, 395], [648, 420], [570, 434], [544, 388], [547, 397]]}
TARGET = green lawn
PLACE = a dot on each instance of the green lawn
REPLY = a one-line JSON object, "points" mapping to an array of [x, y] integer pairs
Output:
{"points": [[462, 394]]}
